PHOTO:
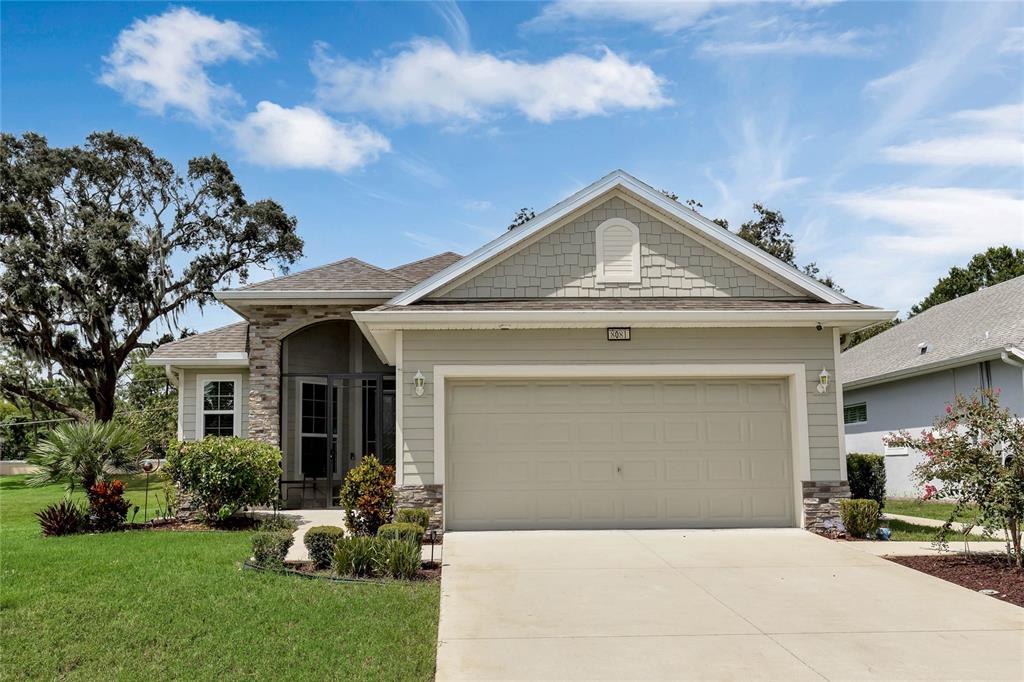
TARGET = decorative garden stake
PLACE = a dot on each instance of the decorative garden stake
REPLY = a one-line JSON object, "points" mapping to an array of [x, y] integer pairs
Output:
{"points": [[148, 466]]}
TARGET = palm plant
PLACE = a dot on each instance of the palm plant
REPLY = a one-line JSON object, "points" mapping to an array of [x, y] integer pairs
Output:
{"points": [[83, 453]]}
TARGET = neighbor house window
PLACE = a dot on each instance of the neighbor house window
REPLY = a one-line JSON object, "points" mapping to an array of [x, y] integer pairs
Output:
{"points": [[853, 414], [618, 252], [219, 403]]}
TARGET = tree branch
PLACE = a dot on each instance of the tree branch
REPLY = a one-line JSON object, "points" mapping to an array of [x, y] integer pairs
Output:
{"points": [[21, 391]]}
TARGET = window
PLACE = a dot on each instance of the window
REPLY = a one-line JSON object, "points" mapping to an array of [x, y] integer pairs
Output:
{"points": [[853, 414], [219, 406], [618, 252]]}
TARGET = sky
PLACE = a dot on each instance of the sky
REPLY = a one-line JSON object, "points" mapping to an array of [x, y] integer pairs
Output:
{"points": [[889, 134]]}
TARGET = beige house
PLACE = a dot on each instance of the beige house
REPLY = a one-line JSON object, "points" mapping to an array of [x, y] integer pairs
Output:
{"points": [[619, 361]]}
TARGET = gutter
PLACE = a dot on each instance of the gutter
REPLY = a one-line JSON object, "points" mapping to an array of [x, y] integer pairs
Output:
{"points": [[950, 363], [222, 360], [1012, 355]]}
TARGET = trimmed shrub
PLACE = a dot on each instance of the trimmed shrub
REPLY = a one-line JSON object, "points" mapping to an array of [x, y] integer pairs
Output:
{"points": [[269, 548], [419, 516], [354, 556], [368, 496], [860, 517], [107, 507], [225, 475], [866, 474], [279, 522], [321, 541], [397, 558], [62, 518], [410, 532]]}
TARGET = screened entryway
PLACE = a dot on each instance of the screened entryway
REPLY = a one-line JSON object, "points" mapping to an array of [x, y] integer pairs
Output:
{"points": [[338, 405]]}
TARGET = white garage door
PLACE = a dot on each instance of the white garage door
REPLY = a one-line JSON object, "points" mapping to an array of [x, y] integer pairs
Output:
{"points": [[618, 454]]}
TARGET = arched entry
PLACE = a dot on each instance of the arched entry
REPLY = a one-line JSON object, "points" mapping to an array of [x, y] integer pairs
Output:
{"points": [[337, 405]]}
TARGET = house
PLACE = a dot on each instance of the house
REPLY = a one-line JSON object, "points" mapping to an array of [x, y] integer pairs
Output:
{"points": [[904, 377], [619, 361]]}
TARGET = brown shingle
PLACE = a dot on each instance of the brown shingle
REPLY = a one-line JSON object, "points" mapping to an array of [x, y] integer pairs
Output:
{"points": [[622, 304], [419, 270], [233, 338], [350, 274]]}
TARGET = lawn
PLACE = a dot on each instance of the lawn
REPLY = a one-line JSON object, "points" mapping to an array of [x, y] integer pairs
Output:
{"points": [[930, 509], [174, 605], [903, 531]]}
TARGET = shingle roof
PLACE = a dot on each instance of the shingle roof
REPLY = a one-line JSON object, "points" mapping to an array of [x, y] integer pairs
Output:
{"points": [[419, 270], [233, 338], [990, 319], [350, 274], [621, 304]]}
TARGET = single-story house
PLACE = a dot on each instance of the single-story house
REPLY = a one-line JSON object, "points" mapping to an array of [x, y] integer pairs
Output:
{"points": [[904, 377], [619, 361]]}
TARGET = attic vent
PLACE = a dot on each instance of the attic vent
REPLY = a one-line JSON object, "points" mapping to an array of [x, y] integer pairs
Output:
{"points": [[924, 347], [618, 251]]}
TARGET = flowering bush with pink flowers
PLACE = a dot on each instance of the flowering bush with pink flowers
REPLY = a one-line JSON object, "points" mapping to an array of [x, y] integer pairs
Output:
{"points": [[975, 452]]}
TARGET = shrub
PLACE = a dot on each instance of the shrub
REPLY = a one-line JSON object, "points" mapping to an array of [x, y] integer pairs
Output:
{"points": [[410, 532], [368, 496], [860, 517], [84, 453], [269, 548], [421, 517], [279, 522], [62, 518], [321, 541], [107, 507], [355, 556], [225, 475], [397, 558], [866, 474]]}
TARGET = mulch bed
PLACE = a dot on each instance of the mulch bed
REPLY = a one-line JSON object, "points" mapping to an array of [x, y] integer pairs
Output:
{"points": [[979, 572], [234, 523], [428, 571]]}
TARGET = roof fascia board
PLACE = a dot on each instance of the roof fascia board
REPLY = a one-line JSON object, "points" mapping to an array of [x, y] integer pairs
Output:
{"points": [[938, 366], [306, 294], [618, 179], [198, 362]]}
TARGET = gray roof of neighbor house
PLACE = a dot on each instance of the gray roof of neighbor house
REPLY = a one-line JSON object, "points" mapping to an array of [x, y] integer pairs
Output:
{"points": [[985, 322], [419, 270], [234, 338]]}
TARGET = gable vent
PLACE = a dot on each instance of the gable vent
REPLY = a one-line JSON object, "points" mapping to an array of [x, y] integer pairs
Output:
{"points": [[618, 251]]}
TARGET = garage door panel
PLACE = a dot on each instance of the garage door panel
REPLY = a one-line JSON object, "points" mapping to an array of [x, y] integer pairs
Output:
{"points": [[618, 454]]}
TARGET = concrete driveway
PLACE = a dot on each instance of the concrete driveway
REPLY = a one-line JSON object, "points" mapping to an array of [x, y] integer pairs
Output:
{"points": [[712, 605]]}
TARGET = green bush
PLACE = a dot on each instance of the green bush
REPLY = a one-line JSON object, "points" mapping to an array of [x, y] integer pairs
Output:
{"points": [[225, 475], [397, 558], [421, 517], [269, 548], [354, 556], [368, 496], [85, 453], [321, 541], [279, 522], [860, 517], [410, 532], [866, 474]]}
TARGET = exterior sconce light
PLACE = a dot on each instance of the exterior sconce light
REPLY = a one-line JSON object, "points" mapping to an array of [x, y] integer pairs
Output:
{"points": [[419, 382], [823, 381]]}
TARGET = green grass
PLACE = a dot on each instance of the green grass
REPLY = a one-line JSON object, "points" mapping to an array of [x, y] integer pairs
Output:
{"points": [[903, 531], [926, 509], [175, 605]]}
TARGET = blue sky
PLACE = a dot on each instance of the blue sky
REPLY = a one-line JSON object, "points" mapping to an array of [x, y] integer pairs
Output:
{"points": [[891, 135]]}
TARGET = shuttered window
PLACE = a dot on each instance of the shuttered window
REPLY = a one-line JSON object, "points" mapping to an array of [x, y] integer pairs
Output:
{"points": [[852, 414], [618, 251]]}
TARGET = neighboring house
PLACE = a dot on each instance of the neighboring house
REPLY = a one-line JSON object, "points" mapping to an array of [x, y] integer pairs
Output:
{"points": [[904, 377], [619, 361]]}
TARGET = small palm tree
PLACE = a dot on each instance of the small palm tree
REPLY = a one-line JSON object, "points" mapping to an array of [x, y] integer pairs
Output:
{"points": [[84, 453]]}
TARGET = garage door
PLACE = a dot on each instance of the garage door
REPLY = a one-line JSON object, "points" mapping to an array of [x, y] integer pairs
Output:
{"points": [[618, 454]]}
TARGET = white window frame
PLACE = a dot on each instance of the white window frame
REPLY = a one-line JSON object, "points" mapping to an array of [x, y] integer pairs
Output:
{"points": [[201, 381], [859, 421], [634, 276]]}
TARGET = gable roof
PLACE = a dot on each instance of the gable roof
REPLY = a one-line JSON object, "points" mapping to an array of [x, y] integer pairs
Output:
{"points": [[349, 274], [967, 329], [419, 270], [619, 179], [224, 345]]}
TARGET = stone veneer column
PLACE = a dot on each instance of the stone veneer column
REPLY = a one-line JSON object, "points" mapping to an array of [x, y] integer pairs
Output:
{"points": [[422, 496], [821, 504], [268, 326]]}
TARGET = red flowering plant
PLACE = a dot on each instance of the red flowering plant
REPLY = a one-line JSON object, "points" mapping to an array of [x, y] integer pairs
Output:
{"points": [[975, 453], [107, 507]]}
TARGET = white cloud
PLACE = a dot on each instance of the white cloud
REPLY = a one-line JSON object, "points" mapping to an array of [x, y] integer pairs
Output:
{"points": [[455, 21], [663, 17], [301, 137], [1000, 143], [793, 44], [1014, 40], [429, 81], [476, 205], [160, 62]]}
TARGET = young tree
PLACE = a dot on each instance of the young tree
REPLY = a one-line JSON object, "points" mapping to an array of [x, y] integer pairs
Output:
{"points": [[99, 241], [995, 265]]}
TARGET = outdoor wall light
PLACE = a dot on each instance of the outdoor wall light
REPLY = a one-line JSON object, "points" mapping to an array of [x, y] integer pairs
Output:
{"points": [[419, 382], [823, 381]]}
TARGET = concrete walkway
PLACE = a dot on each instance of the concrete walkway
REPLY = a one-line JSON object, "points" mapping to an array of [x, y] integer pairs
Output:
{"points": [[712, 605]]}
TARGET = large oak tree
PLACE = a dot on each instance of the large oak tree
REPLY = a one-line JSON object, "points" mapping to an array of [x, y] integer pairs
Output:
{"points": [[99, 241]]}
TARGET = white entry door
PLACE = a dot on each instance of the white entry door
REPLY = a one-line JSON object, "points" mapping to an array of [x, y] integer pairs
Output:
{"points": [[618, 454]]}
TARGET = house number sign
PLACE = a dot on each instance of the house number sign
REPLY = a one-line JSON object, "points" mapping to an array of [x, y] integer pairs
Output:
{"points": [[618, 333]]}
